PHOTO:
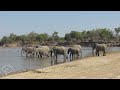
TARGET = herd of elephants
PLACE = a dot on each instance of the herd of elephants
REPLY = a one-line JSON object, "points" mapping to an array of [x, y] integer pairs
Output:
{"points": [[75, 51]]}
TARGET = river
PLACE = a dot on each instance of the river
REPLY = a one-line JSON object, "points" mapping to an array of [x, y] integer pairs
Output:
{"points": [[12, 61]]}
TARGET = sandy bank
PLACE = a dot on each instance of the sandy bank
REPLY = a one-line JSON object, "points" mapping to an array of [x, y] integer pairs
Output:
{"points": [[107, 67]]}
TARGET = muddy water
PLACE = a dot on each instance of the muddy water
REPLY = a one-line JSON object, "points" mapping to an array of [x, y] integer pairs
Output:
{"points": [[12, 61]]}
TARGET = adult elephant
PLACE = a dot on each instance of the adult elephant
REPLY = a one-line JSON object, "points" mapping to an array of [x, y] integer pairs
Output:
{"points": [[24, 50], [61, 50], [75, 50], [42, 51], [99, 47], [78, 46], [27, 50], [30, 51]]}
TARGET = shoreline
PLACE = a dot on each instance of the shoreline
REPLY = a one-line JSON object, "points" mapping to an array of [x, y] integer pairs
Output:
{"points": [[22, 71], [85, 68]]}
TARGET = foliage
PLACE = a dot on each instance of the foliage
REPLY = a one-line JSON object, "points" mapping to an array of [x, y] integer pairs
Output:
{"points": [[100, 34]]}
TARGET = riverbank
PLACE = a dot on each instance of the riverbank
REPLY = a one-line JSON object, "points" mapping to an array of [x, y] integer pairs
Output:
{"points": [[102, 67], [83, 44]]}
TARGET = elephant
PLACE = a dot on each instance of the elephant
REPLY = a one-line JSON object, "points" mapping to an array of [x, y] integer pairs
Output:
{"points": [[27, 50], [42, 51], [76, 49], [30, 51], [24, 50], [61, 50], [78, 46], [99, 47]]}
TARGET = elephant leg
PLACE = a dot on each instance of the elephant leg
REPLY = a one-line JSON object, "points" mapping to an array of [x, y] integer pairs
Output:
{"points": [[81, 54], [98, 53], [26, 54], [78, 56], [64, 58], [70, 56], [30, 55], [104, 53], [38, 55], [21, 53], [56, 59], [74, 56], [48, 55]]}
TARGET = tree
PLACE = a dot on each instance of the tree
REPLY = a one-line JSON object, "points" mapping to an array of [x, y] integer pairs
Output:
{"points": [[32, 37], [6, 40], [117, 30], [67, 37], [75, 35], [42, 37], [55, 36], [23, 38], [12, 37], [83, 35]]}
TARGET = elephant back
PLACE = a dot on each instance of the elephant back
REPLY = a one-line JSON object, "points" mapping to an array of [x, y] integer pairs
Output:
{"points": [[102, 45], [45, 47], [78, 46]]}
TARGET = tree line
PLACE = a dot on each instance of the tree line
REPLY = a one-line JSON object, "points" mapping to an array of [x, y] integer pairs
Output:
{"points": [[95, 35]]}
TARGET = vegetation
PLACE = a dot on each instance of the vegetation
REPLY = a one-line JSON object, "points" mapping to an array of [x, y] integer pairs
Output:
{"points": [[95, 35]]}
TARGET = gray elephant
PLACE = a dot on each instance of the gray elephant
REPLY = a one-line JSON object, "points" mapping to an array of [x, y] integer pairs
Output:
{"points": [[42, 51], [99, 47], [75, 50], [27, 50], [61, 50], [30, 51], [24, 50]]}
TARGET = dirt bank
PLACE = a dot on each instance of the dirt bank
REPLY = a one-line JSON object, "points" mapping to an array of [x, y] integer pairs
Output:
{"points": [[103, 67]]}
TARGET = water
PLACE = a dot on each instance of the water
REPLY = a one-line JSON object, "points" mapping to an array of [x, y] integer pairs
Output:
{"points": [[12, 61]]}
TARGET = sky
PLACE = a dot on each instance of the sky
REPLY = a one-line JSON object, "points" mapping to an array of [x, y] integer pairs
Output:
{"points": [[24, 22]]}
